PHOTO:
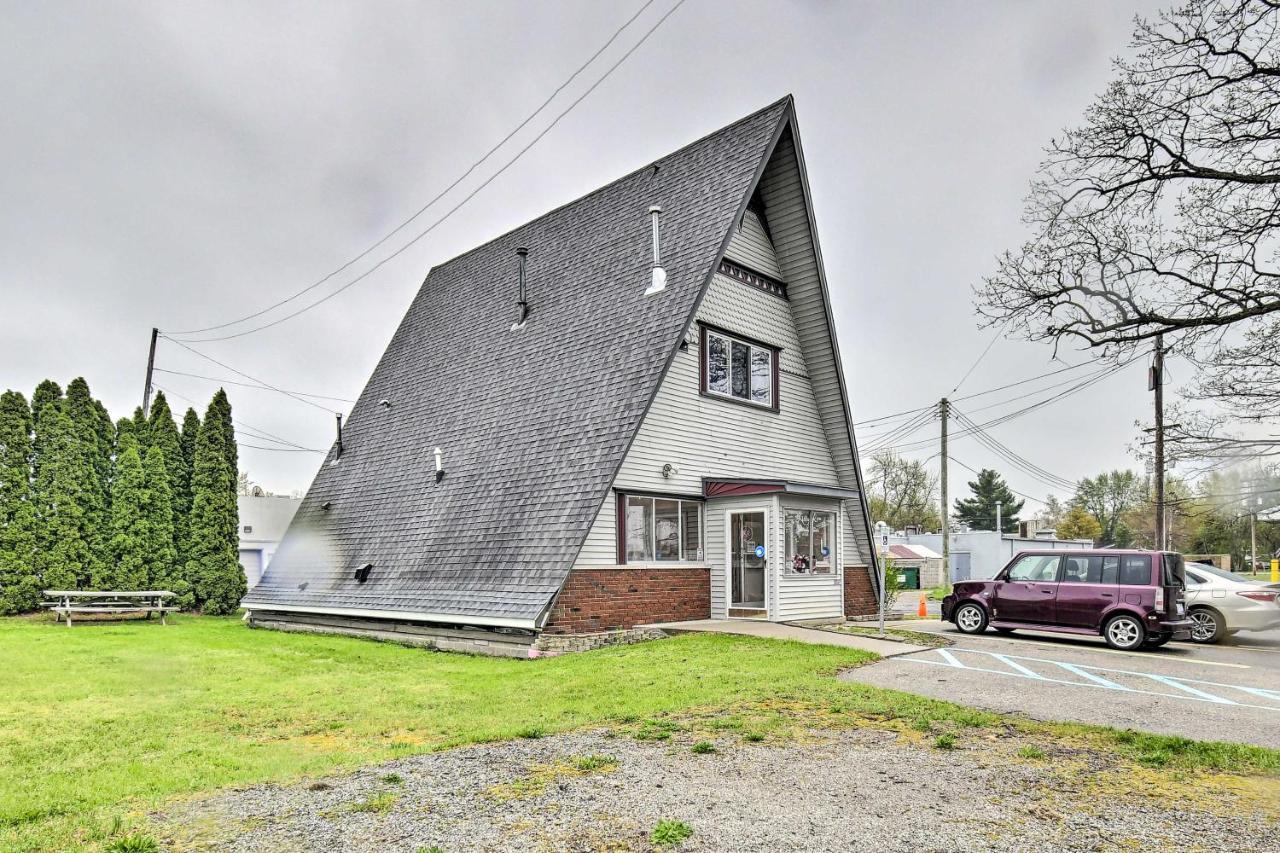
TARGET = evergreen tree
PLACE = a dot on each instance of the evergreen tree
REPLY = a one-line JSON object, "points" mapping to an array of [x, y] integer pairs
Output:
{"points": [[46, 392], [126, 435], [182, 489], [128, 563], [165, 570], [141, 429], [163, 434], [63, 490], [19, 582], [979, 511], [213, 562], [86, 420]]}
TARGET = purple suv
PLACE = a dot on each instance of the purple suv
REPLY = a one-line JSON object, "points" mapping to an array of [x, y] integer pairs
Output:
{"points": [[1131, 598]]}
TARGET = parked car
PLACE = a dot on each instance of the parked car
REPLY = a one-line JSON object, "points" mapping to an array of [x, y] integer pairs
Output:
{"points": [[1130, 598], [1220, 603]]}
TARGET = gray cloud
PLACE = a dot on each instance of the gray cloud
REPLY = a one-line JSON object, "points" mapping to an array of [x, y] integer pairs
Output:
{"points": [[179, 164]]}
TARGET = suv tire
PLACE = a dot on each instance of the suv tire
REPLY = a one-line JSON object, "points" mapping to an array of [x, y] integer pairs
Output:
{"points": [[1209, 625], [1125, 632], [970, 618]]}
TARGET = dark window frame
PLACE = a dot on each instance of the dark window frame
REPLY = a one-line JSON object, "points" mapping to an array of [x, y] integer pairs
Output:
{"points": [[704, 342], [620, 526]]}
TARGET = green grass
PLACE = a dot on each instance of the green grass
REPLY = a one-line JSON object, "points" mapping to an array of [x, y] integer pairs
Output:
{"points": [[102, 722], [669, 833], [703, 747]]}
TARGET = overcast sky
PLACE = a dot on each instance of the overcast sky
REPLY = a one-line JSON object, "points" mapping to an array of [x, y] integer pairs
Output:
{"points": [[179, 165]]}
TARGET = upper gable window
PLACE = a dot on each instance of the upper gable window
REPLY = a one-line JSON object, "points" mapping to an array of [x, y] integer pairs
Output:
{"points": [[739, 369]]}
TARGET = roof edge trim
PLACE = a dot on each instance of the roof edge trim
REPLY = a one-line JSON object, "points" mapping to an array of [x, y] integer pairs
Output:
{"points": [[385, 615]]}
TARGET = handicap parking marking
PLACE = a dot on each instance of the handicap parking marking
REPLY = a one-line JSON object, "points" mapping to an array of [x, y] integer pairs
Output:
{"points": [[1101, 678]]}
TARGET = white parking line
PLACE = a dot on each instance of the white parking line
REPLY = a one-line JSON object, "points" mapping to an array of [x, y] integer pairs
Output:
{"points": [[951, 659], [1164, 656]]}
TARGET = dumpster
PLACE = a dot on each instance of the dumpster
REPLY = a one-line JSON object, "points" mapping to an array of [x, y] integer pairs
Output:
{"points": [[908, 577]]}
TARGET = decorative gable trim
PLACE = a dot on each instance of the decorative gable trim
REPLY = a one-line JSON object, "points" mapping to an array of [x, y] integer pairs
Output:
{"points": [[750, 277]]}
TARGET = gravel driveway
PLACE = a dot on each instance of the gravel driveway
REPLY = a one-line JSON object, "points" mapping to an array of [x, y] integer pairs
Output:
{"points": [[829, 789]]}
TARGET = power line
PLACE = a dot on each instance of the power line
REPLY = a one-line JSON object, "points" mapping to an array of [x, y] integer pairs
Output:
{"points": [[442, 193], [1079, 386], [974, 366], [264, 435], [1010, 455], [280, 449], [251, 378], [1015, 491], [464, 200], [933, 406], [222, 381]]}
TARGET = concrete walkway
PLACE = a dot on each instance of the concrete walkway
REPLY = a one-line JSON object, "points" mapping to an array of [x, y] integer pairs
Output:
{"points": [[781, 631]]}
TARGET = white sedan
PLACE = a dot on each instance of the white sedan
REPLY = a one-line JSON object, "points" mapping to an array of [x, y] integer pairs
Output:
{"points": [[1220, 603]]}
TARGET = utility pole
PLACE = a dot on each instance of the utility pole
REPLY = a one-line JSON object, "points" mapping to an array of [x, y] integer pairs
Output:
{"points": [[1156, 382], [944, 409], [999, 526], [151, 366]]}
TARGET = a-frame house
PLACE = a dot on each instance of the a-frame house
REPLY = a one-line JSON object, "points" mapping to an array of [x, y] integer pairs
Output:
{"points": [[629, 411]]}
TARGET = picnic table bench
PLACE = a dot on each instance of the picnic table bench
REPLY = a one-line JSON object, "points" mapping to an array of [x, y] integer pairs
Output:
{"points": [[65, 602]]}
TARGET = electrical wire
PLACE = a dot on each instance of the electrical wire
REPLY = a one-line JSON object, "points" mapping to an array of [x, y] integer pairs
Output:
{"points": [[222, 381], [974, 366], [251, 378], [263, 434], [519, 127], [971, 469], [362, 276]]}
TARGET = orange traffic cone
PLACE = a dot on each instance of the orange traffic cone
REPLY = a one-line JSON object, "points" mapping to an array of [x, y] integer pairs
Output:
{"points": [[922, 611]]}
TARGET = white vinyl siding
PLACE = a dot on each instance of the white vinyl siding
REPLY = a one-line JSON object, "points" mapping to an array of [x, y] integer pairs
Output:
{"points": [[807, 440], [798, 597], [750, 247]]}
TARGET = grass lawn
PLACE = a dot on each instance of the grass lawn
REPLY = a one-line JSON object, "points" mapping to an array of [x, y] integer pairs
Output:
{"points": [[99, 723]]}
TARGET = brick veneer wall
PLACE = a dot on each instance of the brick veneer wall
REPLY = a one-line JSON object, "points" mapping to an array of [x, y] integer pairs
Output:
{"points": [[605, 599], [859, 595]]}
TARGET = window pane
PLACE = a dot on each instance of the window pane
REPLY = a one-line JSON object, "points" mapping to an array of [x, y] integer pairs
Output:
{"points": [[1135, 571], [1110, 570], [1085, 570], [718, 364], [761, 375], [799, 541], [639, 529], [823, 549], [741, 378], [667, 516], [1035, 568], [691, 515]]}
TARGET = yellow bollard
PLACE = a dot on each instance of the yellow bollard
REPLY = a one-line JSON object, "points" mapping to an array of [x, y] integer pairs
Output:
{"points": [[1275, 571]]}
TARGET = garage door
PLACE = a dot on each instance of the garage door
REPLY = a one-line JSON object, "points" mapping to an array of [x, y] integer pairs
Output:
{"points": [[251, 559]]}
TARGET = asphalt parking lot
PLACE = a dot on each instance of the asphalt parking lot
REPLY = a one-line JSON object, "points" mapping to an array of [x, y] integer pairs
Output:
{"points": [[1229, 691]]}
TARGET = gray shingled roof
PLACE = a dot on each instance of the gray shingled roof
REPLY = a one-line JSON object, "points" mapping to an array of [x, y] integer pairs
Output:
{"points": [[533, 423]]}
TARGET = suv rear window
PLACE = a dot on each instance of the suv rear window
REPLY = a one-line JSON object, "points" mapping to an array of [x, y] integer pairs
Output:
{"points": [[1174, 573], [1135, 570]]}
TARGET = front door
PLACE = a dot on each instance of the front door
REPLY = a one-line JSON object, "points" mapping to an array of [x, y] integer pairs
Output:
{"points": [[1027, 591], [748, 557]]}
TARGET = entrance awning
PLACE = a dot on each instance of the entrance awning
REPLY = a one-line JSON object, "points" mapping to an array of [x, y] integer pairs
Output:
{"points": [[719, 488]]}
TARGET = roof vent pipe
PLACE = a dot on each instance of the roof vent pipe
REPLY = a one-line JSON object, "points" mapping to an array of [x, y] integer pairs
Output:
{"points": [[659, 279], [439, 464], [522, 303]]}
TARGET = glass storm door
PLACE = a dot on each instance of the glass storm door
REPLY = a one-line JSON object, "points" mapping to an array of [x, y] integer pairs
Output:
{"points": [[747, 559]]}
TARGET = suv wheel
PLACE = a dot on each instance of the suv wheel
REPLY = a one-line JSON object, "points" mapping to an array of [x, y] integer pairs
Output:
{"points": [[1208, 626], [1124, 632], [971, 618]]}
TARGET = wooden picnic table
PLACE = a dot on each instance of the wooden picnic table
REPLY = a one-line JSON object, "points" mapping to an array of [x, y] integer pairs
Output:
{"points": [[65, 602]]}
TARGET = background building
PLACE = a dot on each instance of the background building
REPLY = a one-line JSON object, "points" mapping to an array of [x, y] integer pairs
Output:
{"points": [[263, 521], [979, 554]]}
